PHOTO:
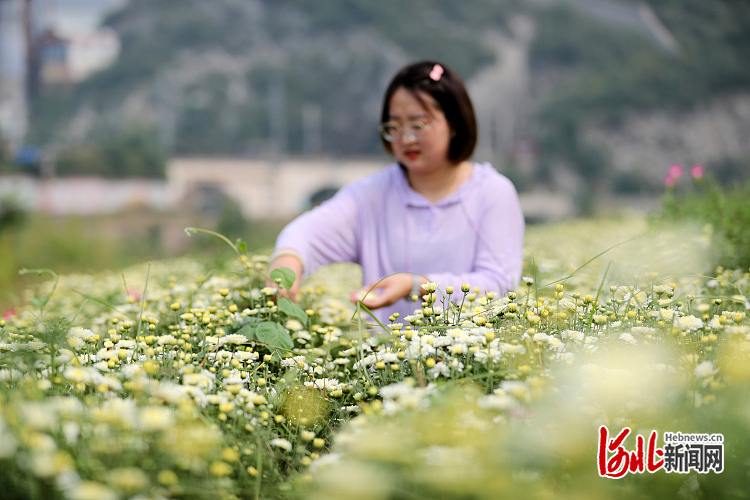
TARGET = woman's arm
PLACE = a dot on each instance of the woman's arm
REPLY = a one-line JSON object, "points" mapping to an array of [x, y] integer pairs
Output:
{"points": [[323, 235]]}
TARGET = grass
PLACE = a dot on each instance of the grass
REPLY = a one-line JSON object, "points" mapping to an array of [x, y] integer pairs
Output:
{"points": [[178, 379]]}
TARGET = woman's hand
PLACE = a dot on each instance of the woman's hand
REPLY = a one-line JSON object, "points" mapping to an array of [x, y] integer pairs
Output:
{"points": [[295, 264], [385, 292]]}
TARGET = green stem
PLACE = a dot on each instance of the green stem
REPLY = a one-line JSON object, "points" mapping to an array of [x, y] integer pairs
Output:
{"points": [[190, 230]]}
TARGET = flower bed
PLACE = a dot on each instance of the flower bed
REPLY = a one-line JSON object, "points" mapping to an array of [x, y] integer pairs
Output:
{"points": [[170, 380]]}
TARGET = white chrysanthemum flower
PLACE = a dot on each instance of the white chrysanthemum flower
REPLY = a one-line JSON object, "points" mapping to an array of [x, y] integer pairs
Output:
{"points": [[37, 415], [81, 374], [33, 346], [210, 340], [80, 333], [110, 382], [662, 289], [101, 366], [439, 370], [233, 379], [71, 431], [455, 333], [639, 298], [217, 399], [91, 490], [166, 340], [627, 337], [126, 344], [482, 356], [328, 384], [555, 343], [76, 343], [738, 331], [128, 478], [705, 369], [67, 406], [294, 325], [643, 330], [155, 418], [517, 389], [459, 348], [131, 371], [50, 464], [689, 323], [442, 342], [294, 362], [173, 393], [351, 409], [281, 443], [203, 379], [223, 356], [401, 389], [233, 339], [622, 294], [10, 375], [666, 314], [302, 336], [501, 402], [424, 350], [512, 349], [573, 335], [246, 356], [716, 323], [329, 460], [352, 351]]}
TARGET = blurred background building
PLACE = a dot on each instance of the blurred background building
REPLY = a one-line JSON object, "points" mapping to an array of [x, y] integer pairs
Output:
{"points": [[136, 118], [45, 44]]}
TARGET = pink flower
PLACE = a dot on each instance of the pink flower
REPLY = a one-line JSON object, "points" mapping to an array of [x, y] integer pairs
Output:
{"points": [[9, 313], [675, 170], [697, 171], [669, 180], [134, 293]]}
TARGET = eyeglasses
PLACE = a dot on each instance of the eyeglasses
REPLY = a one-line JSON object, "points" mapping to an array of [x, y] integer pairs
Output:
{"points": [[394, 131]]}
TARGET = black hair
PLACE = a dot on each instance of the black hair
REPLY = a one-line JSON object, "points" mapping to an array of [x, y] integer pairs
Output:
{"points": [[451, 96]]}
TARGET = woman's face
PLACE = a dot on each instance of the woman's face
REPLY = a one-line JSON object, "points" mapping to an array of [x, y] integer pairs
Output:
{"points": [[421, 135]]}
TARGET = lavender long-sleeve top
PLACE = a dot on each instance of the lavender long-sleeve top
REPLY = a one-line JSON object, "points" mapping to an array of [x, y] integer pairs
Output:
{"points": [[474, 235]]}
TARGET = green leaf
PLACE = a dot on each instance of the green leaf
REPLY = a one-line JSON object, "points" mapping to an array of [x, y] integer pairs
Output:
{"points": [[242, 247], [40, 303], [273, 334], [248, 330], [291, 309], [286, 275]]}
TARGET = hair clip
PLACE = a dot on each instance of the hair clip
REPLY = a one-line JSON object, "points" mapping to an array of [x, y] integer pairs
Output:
{"points": [[436, 73]]}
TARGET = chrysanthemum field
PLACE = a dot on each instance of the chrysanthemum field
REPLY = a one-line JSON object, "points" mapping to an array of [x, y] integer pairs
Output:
{"points": [[183, 379]]}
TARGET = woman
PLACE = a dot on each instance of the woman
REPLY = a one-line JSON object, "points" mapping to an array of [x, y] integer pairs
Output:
{"points": [[431, 216]]}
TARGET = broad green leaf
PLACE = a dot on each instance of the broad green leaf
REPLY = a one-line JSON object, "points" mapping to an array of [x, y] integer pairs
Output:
{"points": [[292, 309], [248, 330], [274, 335], [286, 275]]}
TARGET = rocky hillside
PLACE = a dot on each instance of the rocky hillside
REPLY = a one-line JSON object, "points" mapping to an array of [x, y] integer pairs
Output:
{"points": [[595, 88]]}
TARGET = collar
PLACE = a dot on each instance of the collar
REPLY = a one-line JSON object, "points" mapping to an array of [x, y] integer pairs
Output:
{"points": [[412, 198]]}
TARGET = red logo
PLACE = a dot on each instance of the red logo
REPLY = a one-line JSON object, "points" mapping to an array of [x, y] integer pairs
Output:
{"points": [[614, 461]]}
